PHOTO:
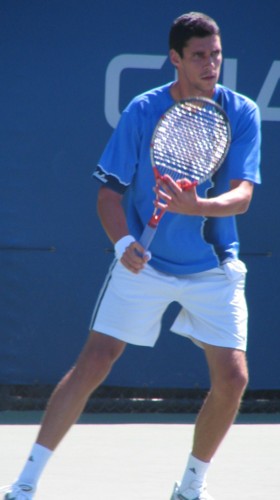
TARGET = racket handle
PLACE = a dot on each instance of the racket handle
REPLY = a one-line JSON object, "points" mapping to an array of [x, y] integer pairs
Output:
{"points": [[147, 236]]}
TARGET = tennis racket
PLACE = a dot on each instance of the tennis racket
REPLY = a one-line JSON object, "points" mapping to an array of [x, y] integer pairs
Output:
{"points": [[190, 141]]}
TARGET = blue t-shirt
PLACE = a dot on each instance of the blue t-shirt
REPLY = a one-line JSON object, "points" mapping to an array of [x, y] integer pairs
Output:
{"points": [[183, 244]]}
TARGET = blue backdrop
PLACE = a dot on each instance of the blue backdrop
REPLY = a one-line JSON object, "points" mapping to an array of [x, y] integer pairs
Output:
{"points": [[68, 69]]}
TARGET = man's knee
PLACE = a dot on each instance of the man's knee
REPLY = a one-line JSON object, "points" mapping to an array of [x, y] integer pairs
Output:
{"points": [[232, 385], [94, 363], [101, 351], [229, 372]]}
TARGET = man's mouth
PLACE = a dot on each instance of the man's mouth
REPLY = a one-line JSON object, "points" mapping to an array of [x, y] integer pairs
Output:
{"points": [[208, 77]]}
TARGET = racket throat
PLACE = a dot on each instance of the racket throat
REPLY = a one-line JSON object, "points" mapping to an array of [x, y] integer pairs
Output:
{"points": [[154, 220]]}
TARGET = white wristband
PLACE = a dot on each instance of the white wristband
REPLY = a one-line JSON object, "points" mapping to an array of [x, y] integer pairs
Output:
{"points": [[122, 244]]}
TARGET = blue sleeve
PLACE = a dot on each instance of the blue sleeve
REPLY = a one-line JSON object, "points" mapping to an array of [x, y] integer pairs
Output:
{"points": [[118, 162], [243, 160]]}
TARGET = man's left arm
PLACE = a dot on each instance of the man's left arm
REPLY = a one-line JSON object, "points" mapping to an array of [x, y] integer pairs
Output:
{"points": [[233, 202]]}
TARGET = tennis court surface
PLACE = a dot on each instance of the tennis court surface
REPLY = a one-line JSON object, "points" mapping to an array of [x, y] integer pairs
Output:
{"points": [[139, 456]]}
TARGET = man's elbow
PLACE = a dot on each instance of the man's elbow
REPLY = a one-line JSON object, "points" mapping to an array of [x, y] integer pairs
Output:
{"points": [[244, 204]]}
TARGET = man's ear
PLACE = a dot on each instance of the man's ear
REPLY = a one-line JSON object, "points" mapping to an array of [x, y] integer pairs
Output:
{"points": [[174, 58]]}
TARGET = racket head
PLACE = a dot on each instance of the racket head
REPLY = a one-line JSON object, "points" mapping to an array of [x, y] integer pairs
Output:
{"points": [[191, 140]]}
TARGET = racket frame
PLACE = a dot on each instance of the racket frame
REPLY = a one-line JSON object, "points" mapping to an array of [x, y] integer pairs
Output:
{"points": [[151, 227]]}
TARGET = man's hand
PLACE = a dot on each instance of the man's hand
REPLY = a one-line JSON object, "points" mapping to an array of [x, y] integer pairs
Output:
{"points": [[177, 197], [181, 197], [134, 257]]}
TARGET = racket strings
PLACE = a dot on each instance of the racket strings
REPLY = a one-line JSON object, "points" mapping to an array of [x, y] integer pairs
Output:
{"points": [[190, 141]]}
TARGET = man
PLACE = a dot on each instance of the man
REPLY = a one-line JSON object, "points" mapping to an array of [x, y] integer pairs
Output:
{"points": [[194, 259]]}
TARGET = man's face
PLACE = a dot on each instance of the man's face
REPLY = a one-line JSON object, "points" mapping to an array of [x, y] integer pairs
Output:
{"points": [[199, 68]]}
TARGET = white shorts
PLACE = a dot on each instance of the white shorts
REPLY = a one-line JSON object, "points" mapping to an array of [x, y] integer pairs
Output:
{"points": [[214, 311]]}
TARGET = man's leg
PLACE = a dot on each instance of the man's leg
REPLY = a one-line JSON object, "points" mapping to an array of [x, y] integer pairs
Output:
{"points": [[66, 404], [70, 396], [229, 377]]}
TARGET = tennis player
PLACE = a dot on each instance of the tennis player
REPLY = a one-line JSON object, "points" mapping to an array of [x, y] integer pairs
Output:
{"points": [[194, 260]]}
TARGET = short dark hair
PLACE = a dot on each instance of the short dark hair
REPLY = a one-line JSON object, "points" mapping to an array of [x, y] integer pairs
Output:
{"points": [[192, 24]]}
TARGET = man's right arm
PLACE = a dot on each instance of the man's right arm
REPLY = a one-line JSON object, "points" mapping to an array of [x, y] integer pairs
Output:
{"points": [[113, 220]]}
